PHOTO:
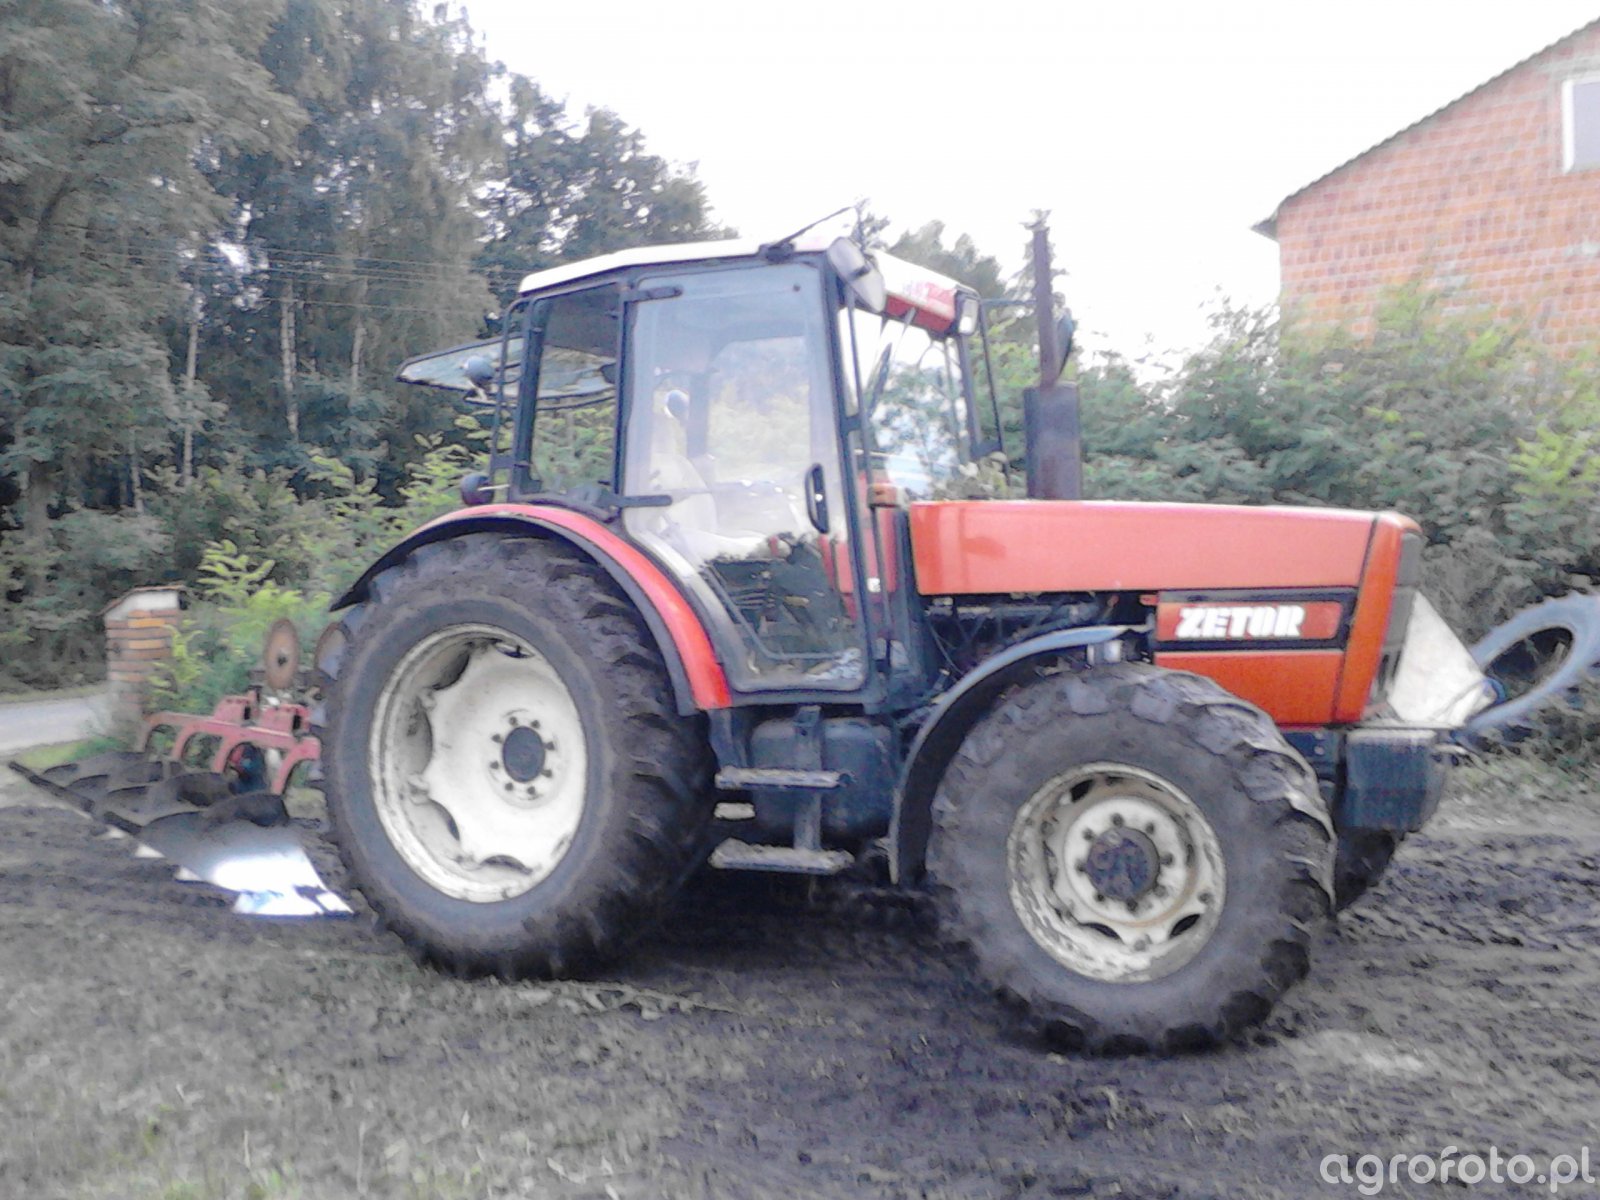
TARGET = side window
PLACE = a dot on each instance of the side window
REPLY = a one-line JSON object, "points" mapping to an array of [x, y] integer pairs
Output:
{"points": [[570, 440], [1580, 111]]}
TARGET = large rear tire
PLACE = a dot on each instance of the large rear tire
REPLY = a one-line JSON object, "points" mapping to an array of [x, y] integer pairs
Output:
{"points": [[509, 782], [1134, 858]]}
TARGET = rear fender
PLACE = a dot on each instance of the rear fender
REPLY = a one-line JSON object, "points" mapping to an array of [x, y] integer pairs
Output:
{"points": [[698, 681], [957, 711]]}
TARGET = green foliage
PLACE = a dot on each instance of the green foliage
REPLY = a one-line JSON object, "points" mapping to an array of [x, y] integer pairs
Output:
{"points": [[571, 189], [221, 227], [229, 577], [221, 638], [1448, 418]]}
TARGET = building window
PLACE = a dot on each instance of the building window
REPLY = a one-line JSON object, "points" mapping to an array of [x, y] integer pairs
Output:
{"points": [[1580, 112]]}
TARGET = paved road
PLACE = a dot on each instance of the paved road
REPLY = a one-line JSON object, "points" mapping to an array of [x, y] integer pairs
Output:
{"points": [[44, 722]]}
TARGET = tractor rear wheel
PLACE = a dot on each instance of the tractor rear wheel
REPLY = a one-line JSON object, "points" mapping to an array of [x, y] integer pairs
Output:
{"points": [[1134, 857], [510, 784]]}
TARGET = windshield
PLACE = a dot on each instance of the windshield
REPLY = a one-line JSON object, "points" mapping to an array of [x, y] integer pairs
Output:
{"points": [[914, 400]]}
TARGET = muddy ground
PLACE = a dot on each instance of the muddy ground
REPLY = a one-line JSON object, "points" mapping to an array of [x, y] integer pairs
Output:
{"points": [[769, 1044]]}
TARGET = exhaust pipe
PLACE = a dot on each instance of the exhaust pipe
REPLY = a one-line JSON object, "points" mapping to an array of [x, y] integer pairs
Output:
{"points": [[1050, 411], [1055, 454]]}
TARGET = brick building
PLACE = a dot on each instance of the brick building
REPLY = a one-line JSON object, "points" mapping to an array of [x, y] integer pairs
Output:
{"points": [[1494, 198]]}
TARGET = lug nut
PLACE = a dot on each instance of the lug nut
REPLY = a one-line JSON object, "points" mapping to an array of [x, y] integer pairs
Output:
{"points": [[1166, 860], [1116, 819], [496, 738]]}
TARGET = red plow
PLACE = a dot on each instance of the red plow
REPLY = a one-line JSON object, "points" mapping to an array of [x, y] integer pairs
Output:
{"points": [[210, 792]]}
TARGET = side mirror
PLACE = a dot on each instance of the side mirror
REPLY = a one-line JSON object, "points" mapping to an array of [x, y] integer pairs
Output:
{"points": [[479, 371], [1066, 327], [861, 278], [476, 489]]}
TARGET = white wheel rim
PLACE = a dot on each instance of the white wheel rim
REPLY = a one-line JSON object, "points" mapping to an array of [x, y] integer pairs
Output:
{"points": [[479, 763], [1149, 897]]}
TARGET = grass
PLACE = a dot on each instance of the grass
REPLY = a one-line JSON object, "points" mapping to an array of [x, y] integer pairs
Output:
{"points": [[42, 758]]}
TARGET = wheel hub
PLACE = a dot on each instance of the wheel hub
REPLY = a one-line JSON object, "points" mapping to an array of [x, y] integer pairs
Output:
{"points": [[522, 754], [480, 753], [1116, 872], [1123, 864]]}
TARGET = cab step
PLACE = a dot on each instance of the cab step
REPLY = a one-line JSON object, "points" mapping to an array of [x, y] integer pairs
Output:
{"points": [[734, 855], [738, 779]]}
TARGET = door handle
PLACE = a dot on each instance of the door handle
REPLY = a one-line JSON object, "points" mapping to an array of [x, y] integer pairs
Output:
{"points": [[817, 498]]}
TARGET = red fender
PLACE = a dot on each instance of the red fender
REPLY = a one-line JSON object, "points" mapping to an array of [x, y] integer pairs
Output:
{"points": [[697, 674]]}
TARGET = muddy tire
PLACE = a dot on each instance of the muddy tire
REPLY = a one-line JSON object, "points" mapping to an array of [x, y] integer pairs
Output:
{"points": [[509, 782], [1133, 857], [1361, 859]]}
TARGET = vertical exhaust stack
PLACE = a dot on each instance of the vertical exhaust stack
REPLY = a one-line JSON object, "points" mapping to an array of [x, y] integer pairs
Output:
{"points": [[1050, 411]]}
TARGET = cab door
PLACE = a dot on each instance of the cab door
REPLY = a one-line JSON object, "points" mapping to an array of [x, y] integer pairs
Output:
{"points": [[732, 452]]}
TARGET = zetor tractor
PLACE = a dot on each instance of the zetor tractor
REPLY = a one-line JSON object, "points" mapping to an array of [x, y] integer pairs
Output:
{"points": [[717, 597]]}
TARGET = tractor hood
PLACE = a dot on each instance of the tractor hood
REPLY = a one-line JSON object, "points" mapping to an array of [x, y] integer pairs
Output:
{"points": [[989, 547]]}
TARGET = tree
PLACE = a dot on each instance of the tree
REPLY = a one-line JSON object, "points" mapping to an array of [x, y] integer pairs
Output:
{"points": [[570, 190], [108, 114], [963, 261], [358, 241]]}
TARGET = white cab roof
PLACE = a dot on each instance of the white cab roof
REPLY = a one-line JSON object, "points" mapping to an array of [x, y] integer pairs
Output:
{"points": [[921, 287], [651, 256]]}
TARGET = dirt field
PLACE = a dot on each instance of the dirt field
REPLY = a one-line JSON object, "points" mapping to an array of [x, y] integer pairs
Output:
{"points": [[766, 1044]]}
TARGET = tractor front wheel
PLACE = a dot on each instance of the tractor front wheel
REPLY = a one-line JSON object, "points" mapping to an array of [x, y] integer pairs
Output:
{"points": [[1134, 857], [509, 782]]}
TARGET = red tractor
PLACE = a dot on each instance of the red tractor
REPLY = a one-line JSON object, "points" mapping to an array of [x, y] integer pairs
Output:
{"points": [[712, 599]]}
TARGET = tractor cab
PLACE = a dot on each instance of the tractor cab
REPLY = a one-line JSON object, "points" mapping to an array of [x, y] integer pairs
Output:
{"points": [[751, 417]]}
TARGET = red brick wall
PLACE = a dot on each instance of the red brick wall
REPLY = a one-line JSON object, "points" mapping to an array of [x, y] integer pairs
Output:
{"points": [[1473, 200], [139, 630]]}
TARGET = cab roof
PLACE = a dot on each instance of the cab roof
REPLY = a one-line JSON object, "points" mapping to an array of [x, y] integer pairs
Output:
{"points": [[930, 294]]}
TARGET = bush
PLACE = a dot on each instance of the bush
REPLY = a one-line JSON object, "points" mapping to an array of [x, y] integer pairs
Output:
{"points": [[221, 638]]}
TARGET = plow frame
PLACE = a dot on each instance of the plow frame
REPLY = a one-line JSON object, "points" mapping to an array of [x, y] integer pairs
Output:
{"points": [[283, 729]]}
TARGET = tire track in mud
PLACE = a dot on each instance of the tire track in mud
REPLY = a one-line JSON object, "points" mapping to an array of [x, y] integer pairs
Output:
{"points": [[1453, 1007]]}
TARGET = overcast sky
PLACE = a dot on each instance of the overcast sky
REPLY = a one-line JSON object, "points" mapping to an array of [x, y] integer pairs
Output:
{"points": [[1155, 132]]}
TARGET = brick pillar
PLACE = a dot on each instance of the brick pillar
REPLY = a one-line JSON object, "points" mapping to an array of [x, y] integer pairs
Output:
{"points": [[138, 636]]}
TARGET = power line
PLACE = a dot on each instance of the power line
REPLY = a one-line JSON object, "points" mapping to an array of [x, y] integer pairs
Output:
{"points": [[385, 266], [267, 276]]}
